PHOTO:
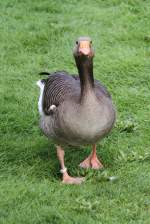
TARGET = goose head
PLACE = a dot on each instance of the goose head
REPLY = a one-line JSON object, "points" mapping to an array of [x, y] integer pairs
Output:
{"points": [[83, 48], [83, 54]]}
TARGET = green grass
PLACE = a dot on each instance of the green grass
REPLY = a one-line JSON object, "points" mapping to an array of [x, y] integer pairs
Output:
{"points": [[36, 36]]}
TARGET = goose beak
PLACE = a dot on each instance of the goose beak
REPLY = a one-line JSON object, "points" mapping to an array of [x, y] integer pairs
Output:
{"points": [[84, 47]]}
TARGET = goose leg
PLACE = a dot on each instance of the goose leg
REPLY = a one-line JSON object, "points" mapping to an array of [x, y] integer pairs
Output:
{"points": [[92, 161], [65, 176]]}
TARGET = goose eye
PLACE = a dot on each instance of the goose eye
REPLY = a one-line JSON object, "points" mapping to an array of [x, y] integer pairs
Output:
{"points": [[76, 42], [91, 42]]}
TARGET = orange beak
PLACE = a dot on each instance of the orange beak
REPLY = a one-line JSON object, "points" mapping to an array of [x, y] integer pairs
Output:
{"points": [[84, 47]]}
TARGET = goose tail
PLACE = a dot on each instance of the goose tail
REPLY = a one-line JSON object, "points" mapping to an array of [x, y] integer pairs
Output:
{"points": [[44, 73]]}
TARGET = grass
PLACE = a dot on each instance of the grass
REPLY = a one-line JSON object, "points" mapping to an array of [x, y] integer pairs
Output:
{"points": [[38, 36]]}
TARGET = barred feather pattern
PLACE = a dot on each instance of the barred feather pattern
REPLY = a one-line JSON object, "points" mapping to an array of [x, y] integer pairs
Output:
{"points": [[58, 87]]}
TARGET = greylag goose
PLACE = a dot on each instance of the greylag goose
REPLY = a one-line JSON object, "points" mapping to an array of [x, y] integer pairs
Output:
{"points": [[76, 110]]}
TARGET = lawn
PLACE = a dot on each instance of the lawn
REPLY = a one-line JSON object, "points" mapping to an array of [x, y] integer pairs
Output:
{"points": [[37, 36]]}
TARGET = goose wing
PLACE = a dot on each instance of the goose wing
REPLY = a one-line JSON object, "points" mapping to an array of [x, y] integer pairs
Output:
{"points": [[57, 88]]}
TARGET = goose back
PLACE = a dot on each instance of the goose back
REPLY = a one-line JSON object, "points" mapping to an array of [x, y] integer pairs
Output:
{"points": [[60, 85]]}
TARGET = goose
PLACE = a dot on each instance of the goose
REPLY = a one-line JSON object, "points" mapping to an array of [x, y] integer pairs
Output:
{"points": [[76, 110]]}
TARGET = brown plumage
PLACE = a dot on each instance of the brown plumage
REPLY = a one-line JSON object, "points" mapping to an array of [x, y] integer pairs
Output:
{"points": [[83, 111]]}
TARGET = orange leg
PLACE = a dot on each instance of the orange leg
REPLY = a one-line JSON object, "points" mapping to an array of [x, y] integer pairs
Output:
{"points": [[92, 161], [66, 178]]}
